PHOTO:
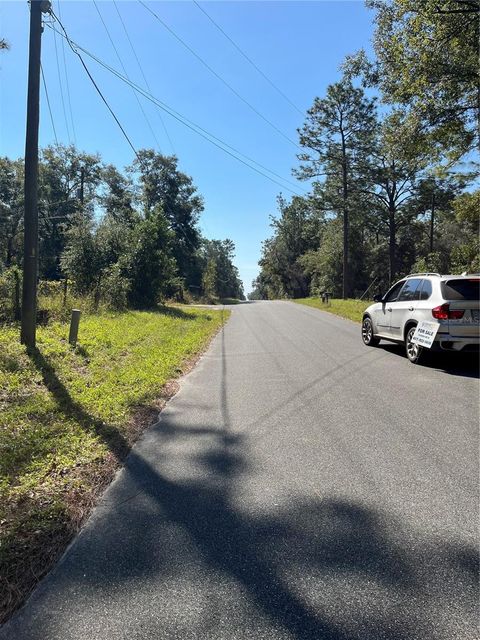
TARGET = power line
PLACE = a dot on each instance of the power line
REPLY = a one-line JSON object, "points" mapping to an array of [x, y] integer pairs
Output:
{"points": [[66, 80], [48, 218], [218, 76], [71, 44], [270, 82], [61, 89], [164, 204], [48, 104], [95, 84], [126, 74], [143, 74], [185, 121], [193, 126]]}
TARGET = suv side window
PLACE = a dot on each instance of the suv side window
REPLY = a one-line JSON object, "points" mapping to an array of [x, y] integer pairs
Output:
{"points": [[392, 295], [408, 291], [425, 291]]}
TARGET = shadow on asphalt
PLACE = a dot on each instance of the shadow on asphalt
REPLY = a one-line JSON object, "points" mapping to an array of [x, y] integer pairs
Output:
{"points": [[313, 569], [331, 569], [466, 365]]}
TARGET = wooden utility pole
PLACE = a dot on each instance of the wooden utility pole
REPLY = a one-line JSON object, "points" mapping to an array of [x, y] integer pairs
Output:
{"points": [[30, 245]]}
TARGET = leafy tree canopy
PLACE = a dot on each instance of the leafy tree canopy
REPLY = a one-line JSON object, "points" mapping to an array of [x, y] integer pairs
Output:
{"points": [[426, 59]]}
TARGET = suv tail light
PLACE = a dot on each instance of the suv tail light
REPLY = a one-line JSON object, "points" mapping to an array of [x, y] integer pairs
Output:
{"points": [[443, 312]]}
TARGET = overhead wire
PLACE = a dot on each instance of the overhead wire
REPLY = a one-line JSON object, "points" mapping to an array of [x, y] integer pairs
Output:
{"points": [[214, 140], [66, 80], [48, 104], [61, 90], [218, 76], [143, 74], [139, 158], [249, 60], [188, 123], [97, 88], [126, 74]]}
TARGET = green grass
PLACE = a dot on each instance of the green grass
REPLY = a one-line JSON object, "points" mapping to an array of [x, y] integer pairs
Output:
{"points": [[351, 309], [68, 416]]}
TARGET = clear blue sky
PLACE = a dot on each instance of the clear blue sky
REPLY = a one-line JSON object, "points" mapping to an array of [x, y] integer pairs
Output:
{"points": [[298, 45]]}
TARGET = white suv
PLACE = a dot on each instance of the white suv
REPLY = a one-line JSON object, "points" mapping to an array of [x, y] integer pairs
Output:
{"points": [[451, 301]]}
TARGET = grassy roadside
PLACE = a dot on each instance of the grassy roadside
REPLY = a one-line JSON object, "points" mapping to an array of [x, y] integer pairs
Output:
{"points": [[68, 417], [350, 309]]}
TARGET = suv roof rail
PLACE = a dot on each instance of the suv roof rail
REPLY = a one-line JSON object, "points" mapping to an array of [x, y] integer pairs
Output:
{"points": [[424, 274]]}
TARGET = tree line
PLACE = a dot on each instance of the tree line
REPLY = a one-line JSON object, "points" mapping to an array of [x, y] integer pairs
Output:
{"points": [[127, 238], [389, 153]]}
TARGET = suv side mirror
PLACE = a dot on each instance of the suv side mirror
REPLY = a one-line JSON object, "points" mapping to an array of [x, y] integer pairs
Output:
{"points": [[378, 297]]}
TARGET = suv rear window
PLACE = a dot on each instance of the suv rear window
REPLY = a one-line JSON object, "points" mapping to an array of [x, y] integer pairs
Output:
{"points": [[461, 289]]}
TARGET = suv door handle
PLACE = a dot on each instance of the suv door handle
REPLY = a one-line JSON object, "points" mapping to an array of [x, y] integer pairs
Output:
{"points": [[389, 308], [410, 308]]}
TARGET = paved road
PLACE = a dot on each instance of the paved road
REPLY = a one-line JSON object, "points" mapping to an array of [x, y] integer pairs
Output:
{"points": [[300, 485]]}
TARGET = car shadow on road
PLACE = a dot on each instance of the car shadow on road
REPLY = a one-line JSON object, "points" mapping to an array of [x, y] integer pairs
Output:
{"points": [[466, 365]]}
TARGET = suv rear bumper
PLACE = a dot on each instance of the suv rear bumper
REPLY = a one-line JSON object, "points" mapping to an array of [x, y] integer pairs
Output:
{"points": [[446, 342]]}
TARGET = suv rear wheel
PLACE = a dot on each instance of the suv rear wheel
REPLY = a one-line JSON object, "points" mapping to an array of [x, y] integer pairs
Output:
{"points": [[413, 350], [367, 333]]}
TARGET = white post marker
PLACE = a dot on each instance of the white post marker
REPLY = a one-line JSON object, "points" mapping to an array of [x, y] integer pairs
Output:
{"points": [[425, 333]]}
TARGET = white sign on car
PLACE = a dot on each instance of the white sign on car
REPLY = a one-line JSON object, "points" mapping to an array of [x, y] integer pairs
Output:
{"points": [[425, 333]]}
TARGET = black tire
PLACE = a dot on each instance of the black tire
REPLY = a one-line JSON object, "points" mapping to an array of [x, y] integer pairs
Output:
{"points": [[367, 333], [413, 351]]}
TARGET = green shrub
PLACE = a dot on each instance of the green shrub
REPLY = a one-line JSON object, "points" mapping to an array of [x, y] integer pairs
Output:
{"points": [[10, 294], [115, 288]]}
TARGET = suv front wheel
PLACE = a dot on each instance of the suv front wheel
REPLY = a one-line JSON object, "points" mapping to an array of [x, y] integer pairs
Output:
{"points": [[413, 350]]}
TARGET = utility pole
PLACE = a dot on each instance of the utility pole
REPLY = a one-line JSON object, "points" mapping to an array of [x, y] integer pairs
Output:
{"points": [[30, 245]]}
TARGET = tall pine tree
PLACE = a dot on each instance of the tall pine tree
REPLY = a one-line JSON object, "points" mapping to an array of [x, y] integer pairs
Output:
{"points": [[337, 136]]}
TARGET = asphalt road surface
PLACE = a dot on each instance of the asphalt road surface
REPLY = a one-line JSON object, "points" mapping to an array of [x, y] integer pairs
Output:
{"points": [[300, 485]]}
